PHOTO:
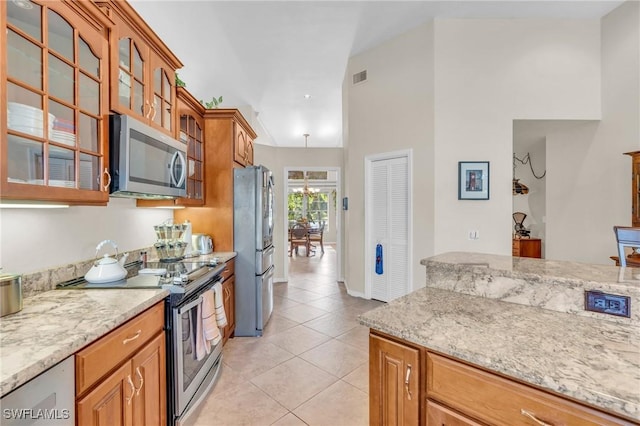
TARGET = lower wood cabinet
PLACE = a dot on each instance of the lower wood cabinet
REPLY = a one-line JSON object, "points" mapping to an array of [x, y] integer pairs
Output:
{"points": [[411, 385], [229, 299], [130, 387], [527, 247], [394, 382]]}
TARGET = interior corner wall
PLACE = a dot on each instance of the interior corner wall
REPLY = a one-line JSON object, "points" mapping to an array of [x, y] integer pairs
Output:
{"points": [[589, 187], [391, 111], [276, 159], [488, 73]]}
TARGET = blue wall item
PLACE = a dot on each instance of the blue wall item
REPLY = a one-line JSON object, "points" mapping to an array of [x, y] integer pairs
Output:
{"points": [[379, 259]]}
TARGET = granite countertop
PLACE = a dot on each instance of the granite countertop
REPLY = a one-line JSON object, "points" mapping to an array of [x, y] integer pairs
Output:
{"points": [[590, 359], [55, 324]]}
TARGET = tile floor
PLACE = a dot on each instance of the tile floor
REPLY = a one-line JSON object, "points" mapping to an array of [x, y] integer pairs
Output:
{"points": [[311, 365]]}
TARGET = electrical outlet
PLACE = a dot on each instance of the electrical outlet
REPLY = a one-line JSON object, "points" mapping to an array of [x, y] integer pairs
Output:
{"points": [[612, 304], [474, 235]]}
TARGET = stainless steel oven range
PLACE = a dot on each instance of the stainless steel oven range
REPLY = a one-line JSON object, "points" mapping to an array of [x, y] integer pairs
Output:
{"points": [[189, 380]]}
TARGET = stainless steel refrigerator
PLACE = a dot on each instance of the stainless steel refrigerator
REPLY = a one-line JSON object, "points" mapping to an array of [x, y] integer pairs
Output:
{"points": [[253, 241]]}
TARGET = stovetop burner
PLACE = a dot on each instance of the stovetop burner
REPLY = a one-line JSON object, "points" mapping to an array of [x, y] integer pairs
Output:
{"points": [[176, 277]]}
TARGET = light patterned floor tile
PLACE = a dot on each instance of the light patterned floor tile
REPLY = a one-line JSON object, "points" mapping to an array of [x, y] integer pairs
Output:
{"points": [[293, 382], [336, 358], [358, 336], [255, 358], [303, 313], [298, 339], [333, 324], [341, 404], [289, 420], [278, 324], [359, 377]]}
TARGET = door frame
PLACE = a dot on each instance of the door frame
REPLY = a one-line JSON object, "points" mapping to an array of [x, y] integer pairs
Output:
{"points": [[338, 212], [369, 250]]}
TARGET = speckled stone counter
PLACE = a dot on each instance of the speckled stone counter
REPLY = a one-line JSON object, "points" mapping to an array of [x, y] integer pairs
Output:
{"points": [[55, 324], [591, 359]]}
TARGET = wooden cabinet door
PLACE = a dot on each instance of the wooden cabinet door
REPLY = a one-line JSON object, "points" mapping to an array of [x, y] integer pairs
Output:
{"points": [[438, 415], [249, 152], [149, 377], [240, 145], [162, 95], [53, 128], [394, 388], [229, 302], [110, 403]]}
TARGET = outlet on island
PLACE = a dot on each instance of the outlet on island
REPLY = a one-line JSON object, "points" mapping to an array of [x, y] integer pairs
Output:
{"points": [[612, 304]]}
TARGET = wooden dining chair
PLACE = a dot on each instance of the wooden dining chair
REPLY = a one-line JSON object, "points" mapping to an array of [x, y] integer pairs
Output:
{"points": [[316, 235], [626, 237], [299, 237]]}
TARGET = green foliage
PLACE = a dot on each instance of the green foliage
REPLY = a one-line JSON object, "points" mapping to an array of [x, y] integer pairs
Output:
{"points": [[179, 82], [213, 104]]}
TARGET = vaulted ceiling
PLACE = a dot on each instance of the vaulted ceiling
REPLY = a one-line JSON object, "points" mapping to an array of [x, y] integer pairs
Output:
{"points": [[265, 56]]}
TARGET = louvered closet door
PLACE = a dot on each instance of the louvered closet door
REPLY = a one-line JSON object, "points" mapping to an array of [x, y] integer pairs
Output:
{"points": [[389, 192]]}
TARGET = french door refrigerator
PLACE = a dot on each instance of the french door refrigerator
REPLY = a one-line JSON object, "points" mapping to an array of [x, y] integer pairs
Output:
{"points": [[253, 242]]}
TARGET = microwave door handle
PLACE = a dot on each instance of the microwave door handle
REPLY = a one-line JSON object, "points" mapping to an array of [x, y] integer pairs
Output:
{"points": [[177, 155]]}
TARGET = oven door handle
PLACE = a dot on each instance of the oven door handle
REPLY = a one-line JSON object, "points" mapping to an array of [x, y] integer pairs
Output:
{"points": [[188, 306], [198, 301]]}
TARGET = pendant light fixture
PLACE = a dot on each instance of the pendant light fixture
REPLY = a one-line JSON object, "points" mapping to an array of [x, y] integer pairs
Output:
{"points": [[518, 187]]}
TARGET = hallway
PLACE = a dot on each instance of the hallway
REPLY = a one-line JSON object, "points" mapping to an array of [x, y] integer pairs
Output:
{"points": [[311, 365]]}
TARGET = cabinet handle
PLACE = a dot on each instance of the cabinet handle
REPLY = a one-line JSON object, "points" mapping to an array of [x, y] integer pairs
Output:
{"points": [[133, 389], [153, 107], [406, 381], [132, 338], [139, 374], [148, 111], [534, 418], [108, 175]]}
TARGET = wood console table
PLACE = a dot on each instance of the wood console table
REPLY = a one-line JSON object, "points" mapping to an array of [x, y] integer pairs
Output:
{"points": [[527, 247]]}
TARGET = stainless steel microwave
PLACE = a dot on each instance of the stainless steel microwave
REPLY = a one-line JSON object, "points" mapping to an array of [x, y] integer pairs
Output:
{"points": [[144, 162]]}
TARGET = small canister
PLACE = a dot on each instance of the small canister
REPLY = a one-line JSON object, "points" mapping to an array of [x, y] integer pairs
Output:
{"points": [[10, 294]]}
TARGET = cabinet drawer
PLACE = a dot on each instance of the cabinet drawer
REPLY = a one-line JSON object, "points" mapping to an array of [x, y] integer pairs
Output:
{"points": [[229, 269], [495, 400], [100, 357], [437, 415]]}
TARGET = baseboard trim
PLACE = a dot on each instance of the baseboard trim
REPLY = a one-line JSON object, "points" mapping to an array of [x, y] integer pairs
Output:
{"points": [[355, 293], [279, 280]]}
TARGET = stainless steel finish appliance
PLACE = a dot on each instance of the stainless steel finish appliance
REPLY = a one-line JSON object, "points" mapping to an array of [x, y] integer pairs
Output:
{"points": [[144, 162], [188, 379], [10, 294], [46, 400], [253, 243]]}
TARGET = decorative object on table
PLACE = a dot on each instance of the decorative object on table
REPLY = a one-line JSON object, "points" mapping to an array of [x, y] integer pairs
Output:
{"points": [[521, 188], [521, 231], [473, 180], [107, 269]]}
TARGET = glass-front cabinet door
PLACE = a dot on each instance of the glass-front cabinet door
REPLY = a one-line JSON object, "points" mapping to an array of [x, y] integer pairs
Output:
{"points": [[191, 133], [143, 81], [54, 104]]}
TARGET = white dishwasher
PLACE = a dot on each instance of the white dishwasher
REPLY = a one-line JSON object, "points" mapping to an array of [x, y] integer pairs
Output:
{"points": [[47, 399]]}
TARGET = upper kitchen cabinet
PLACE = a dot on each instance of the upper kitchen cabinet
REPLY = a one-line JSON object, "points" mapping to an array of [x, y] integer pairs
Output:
{"points": [[190, 125], [54, 62], [243, 146], [224, 130], [143, 69]]}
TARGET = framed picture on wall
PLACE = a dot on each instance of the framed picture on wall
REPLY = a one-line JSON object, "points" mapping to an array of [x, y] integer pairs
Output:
{"points": [[473, 180]]}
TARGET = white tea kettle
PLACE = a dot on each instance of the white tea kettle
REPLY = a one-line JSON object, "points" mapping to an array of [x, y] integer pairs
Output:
{"points": [[107, 269]]}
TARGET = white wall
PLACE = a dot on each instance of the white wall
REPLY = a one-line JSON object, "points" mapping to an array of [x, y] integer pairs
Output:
{"points": [[32, 239], [590, 157], [391, 111], [488, 73], [276, 159]]}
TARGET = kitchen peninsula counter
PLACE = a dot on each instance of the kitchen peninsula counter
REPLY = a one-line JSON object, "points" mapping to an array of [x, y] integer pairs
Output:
{"points": [[591, 358]]}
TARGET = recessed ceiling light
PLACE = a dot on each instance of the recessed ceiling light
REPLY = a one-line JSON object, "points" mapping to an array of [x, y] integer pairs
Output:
{"points": [[307, 96]]}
